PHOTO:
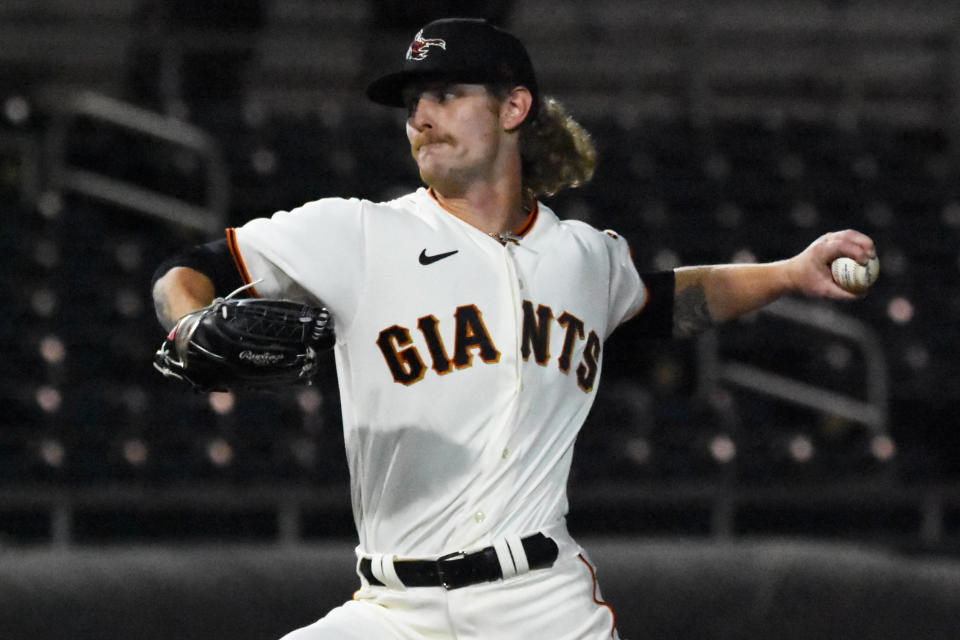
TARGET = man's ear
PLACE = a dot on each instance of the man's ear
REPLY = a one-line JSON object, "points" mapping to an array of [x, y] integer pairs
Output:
{"points": [[515, 108]]}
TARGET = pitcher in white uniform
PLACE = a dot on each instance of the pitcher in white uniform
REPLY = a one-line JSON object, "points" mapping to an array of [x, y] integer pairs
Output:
{"points": [[470, 324]]}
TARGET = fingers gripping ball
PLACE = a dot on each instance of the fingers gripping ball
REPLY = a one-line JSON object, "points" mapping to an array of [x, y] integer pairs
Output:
{"points": [[853, 276], [256, 343]]}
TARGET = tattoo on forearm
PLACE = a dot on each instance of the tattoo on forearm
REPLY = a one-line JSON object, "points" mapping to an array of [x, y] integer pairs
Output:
{"points": [[690, 312]]}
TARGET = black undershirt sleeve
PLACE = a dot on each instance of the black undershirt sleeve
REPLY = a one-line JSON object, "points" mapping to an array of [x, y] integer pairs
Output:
{"points": [[655, 320], [212, 259]]}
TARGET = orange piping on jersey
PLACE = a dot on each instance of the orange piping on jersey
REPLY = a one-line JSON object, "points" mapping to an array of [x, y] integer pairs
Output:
{"points": [[522, 231], [528, 223], [593, 576], [238, 260]]}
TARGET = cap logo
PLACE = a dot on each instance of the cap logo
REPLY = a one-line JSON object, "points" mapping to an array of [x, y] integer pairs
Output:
{"points": [[420, 46]]}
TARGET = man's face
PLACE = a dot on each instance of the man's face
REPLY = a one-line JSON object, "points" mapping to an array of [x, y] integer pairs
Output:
{"points": [[454, 132]]}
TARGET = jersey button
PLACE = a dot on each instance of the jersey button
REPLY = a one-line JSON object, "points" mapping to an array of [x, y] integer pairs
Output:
{"points": [[479, 516]]}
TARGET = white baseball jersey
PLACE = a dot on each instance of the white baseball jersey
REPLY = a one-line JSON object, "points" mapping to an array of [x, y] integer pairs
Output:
{"points": [[466, 365]]}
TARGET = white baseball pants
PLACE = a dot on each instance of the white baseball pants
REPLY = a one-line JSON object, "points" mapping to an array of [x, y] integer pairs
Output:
{"points": [[560, 603]]}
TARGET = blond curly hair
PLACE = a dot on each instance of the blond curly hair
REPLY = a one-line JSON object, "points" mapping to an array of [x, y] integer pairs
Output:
{"points": [[556, 151]]}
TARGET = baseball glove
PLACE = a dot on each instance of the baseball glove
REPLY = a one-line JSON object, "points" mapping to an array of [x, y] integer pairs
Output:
{"points": [[246, 342]]}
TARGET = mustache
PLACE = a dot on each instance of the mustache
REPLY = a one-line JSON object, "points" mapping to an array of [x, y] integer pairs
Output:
{"points": [[428, 138]]}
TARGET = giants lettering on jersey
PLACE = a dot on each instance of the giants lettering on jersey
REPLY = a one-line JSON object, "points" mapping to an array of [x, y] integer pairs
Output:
{"points": [[472, 339]]}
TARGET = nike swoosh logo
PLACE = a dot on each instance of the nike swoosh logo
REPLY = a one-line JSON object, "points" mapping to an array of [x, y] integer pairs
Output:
{"points": [[425, 259]]}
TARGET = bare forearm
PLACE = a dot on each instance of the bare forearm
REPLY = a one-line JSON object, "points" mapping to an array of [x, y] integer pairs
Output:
{"points": [[180, 291], [705, 296]]}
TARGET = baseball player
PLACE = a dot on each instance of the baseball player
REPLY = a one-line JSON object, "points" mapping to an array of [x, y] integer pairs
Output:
{"points": [[470, 322]]}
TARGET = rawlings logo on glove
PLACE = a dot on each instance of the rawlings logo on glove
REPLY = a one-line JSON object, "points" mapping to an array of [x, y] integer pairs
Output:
{"points": [[256, 343], [261, 359]]}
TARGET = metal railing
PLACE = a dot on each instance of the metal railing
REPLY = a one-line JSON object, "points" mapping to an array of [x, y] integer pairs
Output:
{"points": [[60, 176], [872, 410], [65, 517]]}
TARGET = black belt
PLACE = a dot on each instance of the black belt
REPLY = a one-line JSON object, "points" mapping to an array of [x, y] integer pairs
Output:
{"points": [[463, 569]]}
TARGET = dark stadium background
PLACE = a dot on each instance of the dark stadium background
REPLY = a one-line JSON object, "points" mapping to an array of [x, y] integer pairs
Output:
{"points": [[727, 131]]}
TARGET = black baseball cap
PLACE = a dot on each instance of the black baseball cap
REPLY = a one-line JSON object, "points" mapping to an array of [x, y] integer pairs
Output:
{"points": [[467, 50]]}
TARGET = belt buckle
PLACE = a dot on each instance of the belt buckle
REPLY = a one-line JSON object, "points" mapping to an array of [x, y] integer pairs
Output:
{"points": [[449, 562]]}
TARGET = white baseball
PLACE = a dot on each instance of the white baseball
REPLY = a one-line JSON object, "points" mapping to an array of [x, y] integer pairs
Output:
{"points": [[853, 276]]}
